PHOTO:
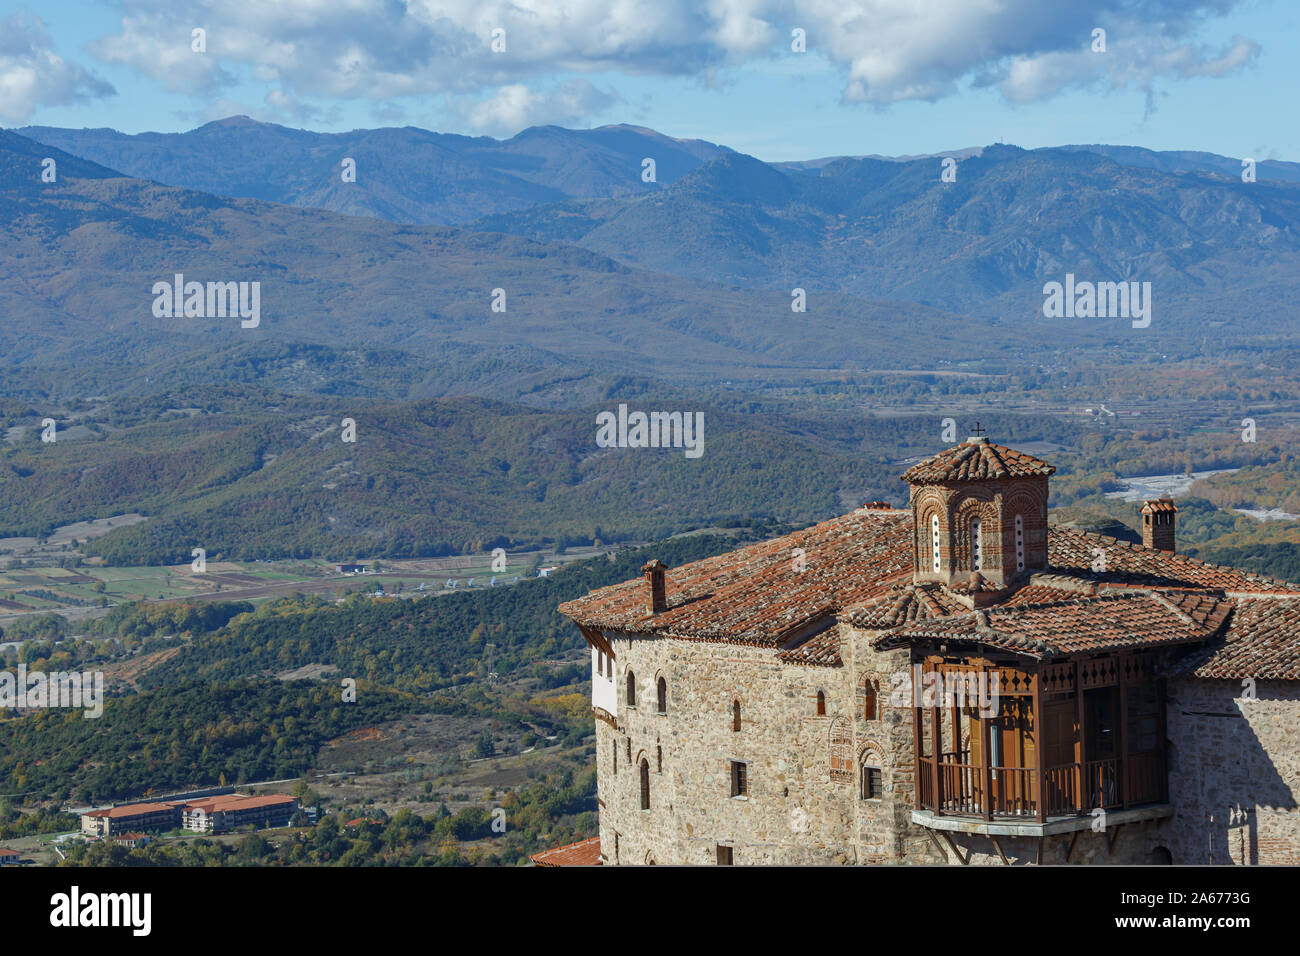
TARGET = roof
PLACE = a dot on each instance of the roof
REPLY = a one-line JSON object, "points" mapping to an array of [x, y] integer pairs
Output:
{"points": [[821, 650], [1073, 552], [786, 592], [1108, 622], [904, 603], [582, 853], [1163, 505], [237, 801], [763, 593], [131, 810], [1260, 643], [4, 851], [977, 459]]}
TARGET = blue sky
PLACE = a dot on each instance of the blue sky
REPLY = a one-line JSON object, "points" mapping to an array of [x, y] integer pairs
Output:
{"points": [[879, 76]]}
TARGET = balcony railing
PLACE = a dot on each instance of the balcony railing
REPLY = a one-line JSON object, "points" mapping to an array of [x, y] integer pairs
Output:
{"points": [[1014, 792]]}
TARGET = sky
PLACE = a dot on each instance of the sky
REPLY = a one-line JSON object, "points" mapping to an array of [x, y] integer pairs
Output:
{"points": [[889, 77]]}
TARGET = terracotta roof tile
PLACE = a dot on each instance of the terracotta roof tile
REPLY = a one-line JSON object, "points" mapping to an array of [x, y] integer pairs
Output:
{"points": [[1262, 641], [131, 810], [821, 650], [904, 603], [1073, 552], [582, 853], [1107, 623], [857, 568], [763, 592], [1044, 594], [977, 461]]}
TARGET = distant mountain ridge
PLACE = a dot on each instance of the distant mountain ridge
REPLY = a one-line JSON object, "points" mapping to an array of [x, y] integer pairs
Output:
{"points": [[985, 244], [402, 174], [1172, 161], [883, 228], [404, 307]]}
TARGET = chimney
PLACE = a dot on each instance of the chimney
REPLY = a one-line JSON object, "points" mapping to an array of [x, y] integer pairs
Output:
{"points": [[658, 591], [1158, 516]]}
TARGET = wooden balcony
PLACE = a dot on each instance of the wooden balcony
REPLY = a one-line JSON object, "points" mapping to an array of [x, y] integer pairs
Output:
{"points": [[1066, 740], [1014, 792]]}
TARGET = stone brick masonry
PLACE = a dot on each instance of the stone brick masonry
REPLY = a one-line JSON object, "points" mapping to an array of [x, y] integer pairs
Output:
{"points": [[1235, 768]]}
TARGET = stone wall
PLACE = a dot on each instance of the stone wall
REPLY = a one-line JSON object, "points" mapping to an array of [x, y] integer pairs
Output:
{"points": [[803, 770], [1234, 768], [1234, 772]]}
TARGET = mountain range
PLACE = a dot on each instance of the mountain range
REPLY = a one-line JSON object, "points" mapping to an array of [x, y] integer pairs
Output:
{"points": [[474, 302], [689, 278], [403, 175]]}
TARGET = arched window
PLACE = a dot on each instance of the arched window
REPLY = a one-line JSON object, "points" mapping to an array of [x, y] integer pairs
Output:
{"points": [[645, 784], [869, 709], [821, 704], [662, 688], [934, 539], [631, 689], [735, 716], [976, 554]]}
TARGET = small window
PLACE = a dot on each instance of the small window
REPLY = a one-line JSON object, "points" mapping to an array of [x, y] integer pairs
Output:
{"points": [[629, 749], [659, 759], [976, 555], [821, 704], [1020, 543], [614, 747], [662, 693], [735, 716], [645, 784], [724, 855], [934, 539], [631, 689], [872, 789], [869, 709], [739, 779]]}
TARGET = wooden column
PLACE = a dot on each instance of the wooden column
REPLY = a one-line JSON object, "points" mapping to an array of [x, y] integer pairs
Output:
{"points": [[936, 748], [1038, 743], [986, 765], [956, 728], [956, 737], [918, 738], [1120, 662], [1081, 772]]}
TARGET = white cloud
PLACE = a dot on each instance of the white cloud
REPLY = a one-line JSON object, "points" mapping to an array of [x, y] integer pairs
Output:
{"points": [[32, 74], [514, 106], [887, 50], [1129, 62]]}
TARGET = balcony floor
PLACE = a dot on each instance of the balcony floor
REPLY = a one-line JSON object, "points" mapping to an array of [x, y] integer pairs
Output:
{"points": [[1004, 826]]}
